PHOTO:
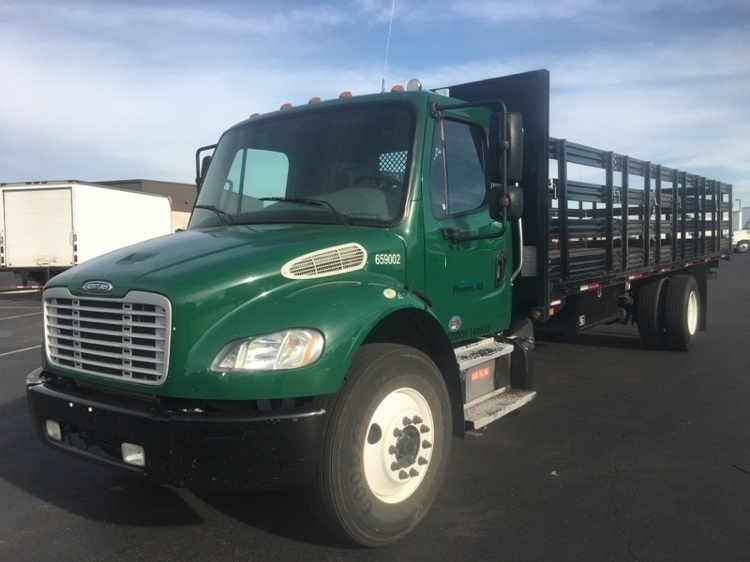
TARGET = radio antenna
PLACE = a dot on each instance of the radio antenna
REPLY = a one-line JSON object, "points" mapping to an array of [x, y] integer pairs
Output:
{"points": [[387, 47]]}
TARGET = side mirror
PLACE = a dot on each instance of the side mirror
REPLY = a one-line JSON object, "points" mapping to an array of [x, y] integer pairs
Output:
{"points": [[514, 199], [515, 151], [506, 148], [201, 166], [203, 170], [506, 204]]}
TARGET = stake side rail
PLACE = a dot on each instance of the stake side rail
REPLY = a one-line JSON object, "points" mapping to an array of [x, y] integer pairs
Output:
{"points": [[612, 218]]}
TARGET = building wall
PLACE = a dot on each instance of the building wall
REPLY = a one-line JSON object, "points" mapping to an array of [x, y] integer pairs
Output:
{"points": [[180, 220]]}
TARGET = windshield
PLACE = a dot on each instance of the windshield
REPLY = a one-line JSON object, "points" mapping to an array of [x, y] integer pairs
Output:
{"points": [[337, 165]]}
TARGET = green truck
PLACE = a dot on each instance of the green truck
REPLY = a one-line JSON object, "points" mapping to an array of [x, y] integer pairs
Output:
{"points": [[361, 281]]}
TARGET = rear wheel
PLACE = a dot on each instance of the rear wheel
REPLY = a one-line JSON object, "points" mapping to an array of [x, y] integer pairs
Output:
{"points": [[682, 312], [651, 313], [386, 447]]}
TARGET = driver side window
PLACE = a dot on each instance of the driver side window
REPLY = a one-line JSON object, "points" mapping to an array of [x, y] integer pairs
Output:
{"points": [[457, 179]]}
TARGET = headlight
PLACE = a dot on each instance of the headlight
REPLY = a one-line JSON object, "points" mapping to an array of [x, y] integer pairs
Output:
{"points": [[289, 349]]}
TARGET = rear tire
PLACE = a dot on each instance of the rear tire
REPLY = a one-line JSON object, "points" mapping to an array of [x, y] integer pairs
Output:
{"points": [[651, 313], [682, 312], [386, 448]]}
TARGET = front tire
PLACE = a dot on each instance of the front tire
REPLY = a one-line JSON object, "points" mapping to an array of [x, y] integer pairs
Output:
{"points": [[386, 448], [743, 247]]}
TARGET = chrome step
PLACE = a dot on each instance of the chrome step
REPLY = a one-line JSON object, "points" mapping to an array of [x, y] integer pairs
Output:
{"points": [[487, 409], [475, 353]]}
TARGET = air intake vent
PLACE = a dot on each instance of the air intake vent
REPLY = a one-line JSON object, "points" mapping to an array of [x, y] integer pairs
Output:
{"points": [[121, 339], [331, 261]]}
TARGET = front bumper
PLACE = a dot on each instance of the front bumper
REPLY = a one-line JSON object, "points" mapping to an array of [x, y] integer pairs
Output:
{"points": [[187, 447]]}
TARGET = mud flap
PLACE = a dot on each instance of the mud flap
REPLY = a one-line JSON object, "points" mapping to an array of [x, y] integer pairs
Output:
{"points": [[521, 359]]}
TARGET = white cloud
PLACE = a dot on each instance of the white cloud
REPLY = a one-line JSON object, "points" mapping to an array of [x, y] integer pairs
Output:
{"points": [[679, 102], [612, 12], [105, 91], [121, 17]]}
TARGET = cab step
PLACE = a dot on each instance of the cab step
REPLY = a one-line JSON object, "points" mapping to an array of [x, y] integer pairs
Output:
{"points": [[479, 352], [502, 402]]}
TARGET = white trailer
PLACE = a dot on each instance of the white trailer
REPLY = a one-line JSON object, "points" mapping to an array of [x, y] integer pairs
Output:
{"points": [[51, 226], [741, 234]]}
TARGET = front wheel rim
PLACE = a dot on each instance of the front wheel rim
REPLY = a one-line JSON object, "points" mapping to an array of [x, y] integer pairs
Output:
{"points": [[398, 447]]}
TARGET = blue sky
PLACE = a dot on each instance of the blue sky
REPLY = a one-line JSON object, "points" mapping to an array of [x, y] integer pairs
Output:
{"points": [[107, 89]]}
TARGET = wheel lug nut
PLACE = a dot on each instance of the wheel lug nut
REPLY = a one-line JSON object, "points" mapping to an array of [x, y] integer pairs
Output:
{"points": [[417, 420], [406, 421], [402, 475], [424, 429], [395, 466], [392, 450], [421, 461], [413, 473], [426, 444], [397, 432]]}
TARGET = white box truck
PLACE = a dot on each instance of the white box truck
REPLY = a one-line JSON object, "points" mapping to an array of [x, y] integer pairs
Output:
{"points": [[741, 237], [48, 227]]}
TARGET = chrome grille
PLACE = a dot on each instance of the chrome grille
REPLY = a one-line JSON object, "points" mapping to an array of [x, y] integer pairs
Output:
{"points": [[124, 339]]}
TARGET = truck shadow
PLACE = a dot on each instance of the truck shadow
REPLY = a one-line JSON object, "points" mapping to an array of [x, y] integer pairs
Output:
{"points": [[281, 512]]}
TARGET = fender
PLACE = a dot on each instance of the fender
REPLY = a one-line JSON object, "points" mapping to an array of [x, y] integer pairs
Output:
{"points": [[345, 309]]}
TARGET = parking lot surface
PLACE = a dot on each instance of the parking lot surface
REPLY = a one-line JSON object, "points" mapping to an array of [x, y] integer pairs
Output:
{"points": [[626, 454]]}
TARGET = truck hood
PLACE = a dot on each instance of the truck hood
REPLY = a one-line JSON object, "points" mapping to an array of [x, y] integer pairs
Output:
{"points": [[188, 265]]}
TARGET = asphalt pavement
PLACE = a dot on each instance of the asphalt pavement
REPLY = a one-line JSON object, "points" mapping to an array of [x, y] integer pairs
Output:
{"points": [[626, 454]]}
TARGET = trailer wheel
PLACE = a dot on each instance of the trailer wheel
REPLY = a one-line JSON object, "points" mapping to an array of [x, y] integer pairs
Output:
{"points": [[743, 246], [386, 448], [682, 312], [650, 313]]}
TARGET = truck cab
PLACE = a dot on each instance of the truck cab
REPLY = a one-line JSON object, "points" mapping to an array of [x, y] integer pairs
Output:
{"points": [[339, 307]]}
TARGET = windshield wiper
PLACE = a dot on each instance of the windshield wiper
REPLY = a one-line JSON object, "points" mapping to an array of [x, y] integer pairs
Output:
{"points": [[223, 215], [314, 202]]}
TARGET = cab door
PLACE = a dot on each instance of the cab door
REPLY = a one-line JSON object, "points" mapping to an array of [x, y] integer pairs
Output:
{"points": [[468, 257]]}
